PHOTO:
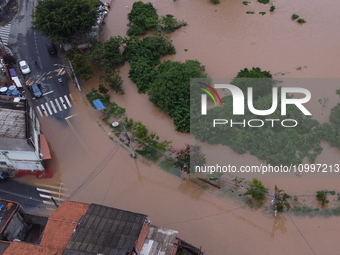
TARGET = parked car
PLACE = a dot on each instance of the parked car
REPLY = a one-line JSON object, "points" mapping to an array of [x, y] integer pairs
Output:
{"points": [[51, 48], [36, 90], [3, 176], [25, 69]]}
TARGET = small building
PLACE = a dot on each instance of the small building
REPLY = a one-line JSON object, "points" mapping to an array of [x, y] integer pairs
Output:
{"points": [[12, 225], [23, 148]]}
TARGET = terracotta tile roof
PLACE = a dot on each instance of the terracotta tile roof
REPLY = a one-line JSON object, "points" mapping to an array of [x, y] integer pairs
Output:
{"points": [[17, 248], [60, 225]]}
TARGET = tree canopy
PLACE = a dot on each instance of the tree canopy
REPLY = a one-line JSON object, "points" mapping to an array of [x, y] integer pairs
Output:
{"points": [[60, 20]]}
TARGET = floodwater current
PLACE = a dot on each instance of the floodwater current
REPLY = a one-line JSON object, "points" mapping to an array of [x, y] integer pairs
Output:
{"points": [[225, 39]]}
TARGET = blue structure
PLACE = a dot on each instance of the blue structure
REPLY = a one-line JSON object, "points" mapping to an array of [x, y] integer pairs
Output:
{"points": [[98, 104]]}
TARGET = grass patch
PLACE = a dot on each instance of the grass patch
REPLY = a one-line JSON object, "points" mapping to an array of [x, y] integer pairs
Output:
{"points": [[146, 154], [295, 16], [168, 167]]}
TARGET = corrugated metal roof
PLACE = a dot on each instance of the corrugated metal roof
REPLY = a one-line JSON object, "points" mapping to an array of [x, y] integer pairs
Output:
{"points": [[106, 230]]}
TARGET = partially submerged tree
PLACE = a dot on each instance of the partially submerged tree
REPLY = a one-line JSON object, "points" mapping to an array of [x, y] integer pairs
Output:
{"points": [[188, 157], [82, 68], [281, 200], [61, 19], [256, 189]]}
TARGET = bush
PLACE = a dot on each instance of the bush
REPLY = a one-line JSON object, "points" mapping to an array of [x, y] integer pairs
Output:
{"points": [[263, 13], [250, 12], [272, 8], [294, 16], [256, 190], [301, 21], [322, 196], [245, 2], [264, 1], [215, 1], [169, 24]]}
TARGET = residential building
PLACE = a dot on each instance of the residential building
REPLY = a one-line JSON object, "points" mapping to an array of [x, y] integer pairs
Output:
{"points": [[83, 229]]}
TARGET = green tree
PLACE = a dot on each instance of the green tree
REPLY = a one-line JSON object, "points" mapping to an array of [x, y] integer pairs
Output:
{"points": [[82, 68], [113, 80], [143, 17], [171, 90], [281, 200], [256, 190], [61, 19], [188, 157], [102, 89], [106, 55]]}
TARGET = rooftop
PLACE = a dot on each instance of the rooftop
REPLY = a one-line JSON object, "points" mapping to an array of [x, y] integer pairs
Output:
{"points": [[106, 230], [159, 241], [61, 224], [29, 249], [6, 212], [13, 125]]}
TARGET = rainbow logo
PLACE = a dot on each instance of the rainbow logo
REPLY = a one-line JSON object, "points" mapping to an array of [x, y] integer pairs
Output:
{"points": [[208, 92]]}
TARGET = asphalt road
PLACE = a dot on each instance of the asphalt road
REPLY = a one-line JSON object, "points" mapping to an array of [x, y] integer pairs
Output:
{"points": [[28, 196], [27, 44]]}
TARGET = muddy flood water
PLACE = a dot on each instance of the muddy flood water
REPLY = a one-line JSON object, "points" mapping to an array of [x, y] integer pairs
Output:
{"points": [[94, 169]]}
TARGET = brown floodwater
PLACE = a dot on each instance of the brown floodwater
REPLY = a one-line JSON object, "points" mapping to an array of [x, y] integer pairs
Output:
{"points": [[94, 169]]}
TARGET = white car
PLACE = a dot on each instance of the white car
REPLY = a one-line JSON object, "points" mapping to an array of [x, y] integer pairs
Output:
{"points": [[25, 69]]}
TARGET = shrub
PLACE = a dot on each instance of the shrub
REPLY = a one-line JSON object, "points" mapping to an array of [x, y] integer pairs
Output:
{"points": [[256, 190], [272, 8], [295, 16], [169, 24], [322, 197], [301, 21], [263, 13], [264, 1], [245, 2], [215, 1], [250, 12]]}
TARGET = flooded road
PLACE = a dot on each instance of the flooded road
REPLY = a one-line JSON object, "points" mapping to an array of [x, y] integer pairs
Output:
{"points": [[94, 169]]}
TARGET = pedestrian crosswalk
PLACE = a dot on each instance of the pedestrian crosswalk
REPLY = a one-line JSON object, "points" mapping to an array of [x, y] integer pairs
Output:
{"points": [[4, 33], [48, 194], [54, 106]]}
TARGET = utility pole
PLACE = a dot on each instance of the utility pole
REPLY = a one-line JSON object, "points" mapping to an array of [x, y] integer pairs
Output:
{"points": [[274, 201], [129, 141]]}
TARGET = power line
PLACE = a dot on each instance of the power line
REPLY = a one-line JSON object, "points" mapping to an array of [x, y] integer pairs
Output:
{"points": [[301, 234]]}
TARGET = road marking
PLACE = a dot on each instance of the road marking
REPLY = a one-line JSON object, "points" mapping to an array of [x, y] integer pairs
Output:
{"points": [[50, 197], [48, 202], [48, 93], [48, 108], [52, 192], [44, 110], [40, 112], [68, 102], [4, 33], [51, 186], [53, 107], [73, 100], [58, 104], [69, 117], [63, 103]]}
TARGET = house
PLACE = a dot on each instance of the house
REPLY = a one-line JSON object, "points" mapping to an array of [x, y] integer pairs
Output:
{"points": [[23, 148], [83, 229]]}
